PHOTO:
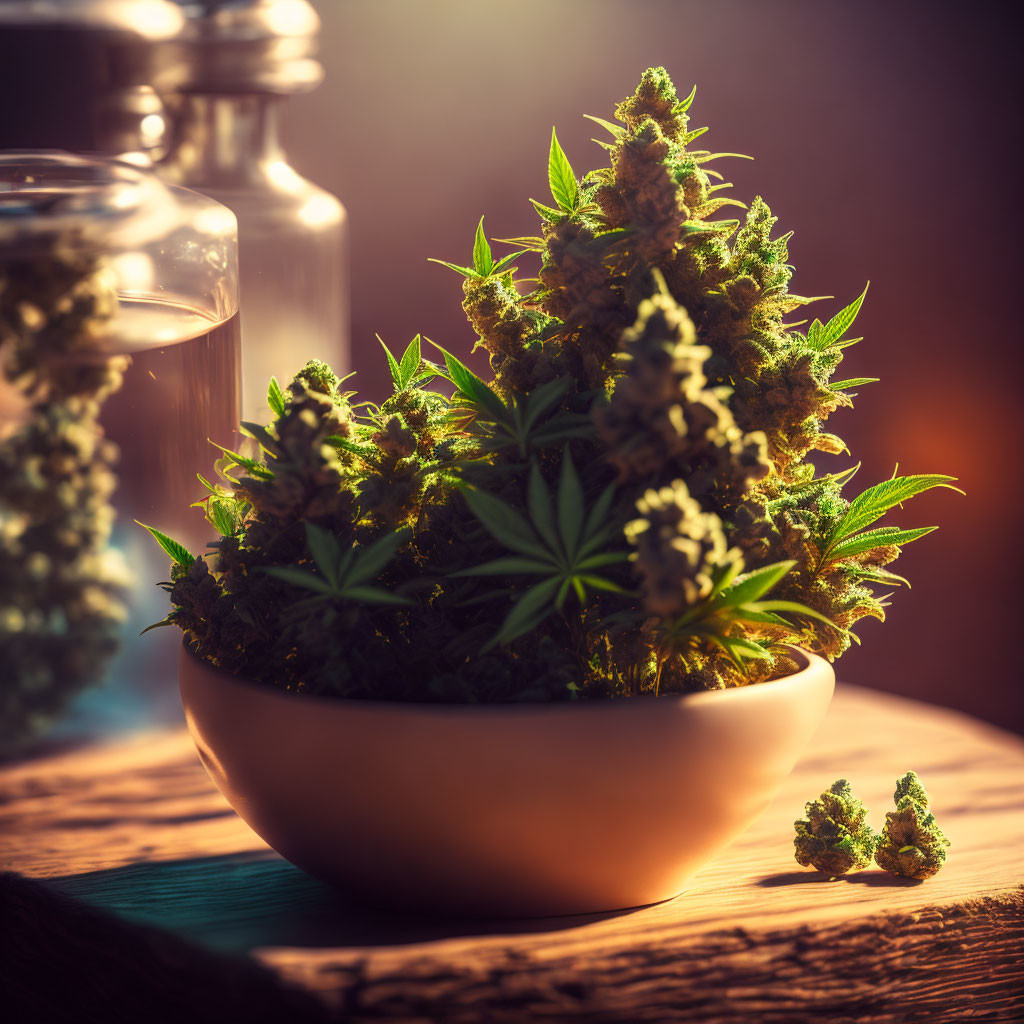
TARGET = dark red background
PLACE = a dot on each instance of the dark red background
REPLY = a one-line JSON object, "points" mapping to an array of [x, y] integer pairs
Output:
{"points": [[886, 134]]}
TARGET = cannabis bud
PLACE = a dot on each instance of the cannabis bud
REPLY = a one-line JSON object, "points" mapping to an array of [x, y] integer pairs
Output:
{"points": [[677, 547], [60, 585], [911, 844], [834, 837], [663, 419]]}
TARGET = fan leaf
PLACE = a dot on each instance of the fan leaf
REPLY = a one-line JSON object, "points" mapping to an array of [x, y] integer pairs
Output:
{"points": [[504, 523], [410, 364], [750, 586], [541, 512], [884, 536], [368, 562], [570, 506], [396, 373], [565, 188], [275, 397], [872, 504], [834, 330], [483, 261], [175, 550], [530, 610]]}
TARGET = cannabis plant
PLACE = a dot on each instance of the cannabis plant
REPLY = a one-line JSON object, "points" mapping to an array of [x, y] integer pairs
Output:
{"points": [[627, 504]]}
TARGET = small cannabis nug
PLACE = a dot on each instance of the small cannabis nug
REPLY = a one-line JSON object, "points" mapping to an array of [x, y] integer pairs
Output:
{"points": [[911, 844], [835, 837], [626, 506]]}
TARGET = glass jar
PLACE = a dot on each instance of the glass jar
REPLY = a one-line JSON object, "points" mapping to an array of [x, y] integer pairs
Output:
{"points": [[173, 255], [85, 75], [242, 58]]}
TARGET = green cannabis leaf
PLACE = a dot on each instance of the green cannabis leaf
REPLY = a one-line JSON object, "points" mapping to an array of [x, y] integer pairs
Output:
{"points": [[484, 265], [845, 539], [223, 518], [483, 262], [343, 574], [684, 105], [472, 393], [177, 551], [393, 367], [565, 189], [547, 213], [616, 130], [561, 541], [411, 369], [824, 336], [245, 462], [736, 600], [522, 423], [853, 382], [884, 536], [275, 397]]}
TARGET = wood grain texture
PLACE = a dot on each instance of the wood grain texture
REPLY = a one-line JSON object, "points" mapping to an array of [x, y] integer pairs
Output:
{"points": [[135, 828]]}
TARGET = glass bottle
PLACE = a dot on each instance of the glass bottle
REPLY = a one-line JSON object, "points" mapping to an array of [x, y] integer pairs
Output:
{"points": [[174, 254], [243, 58], [85, 75]]}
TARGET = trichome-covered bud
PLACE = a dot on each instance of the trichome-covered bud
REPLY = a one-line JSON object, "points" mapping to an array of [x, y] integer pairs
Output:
{"points": [[663, 421], [307, 470], [316, 376], [834, 837], [678, 546], [396, 440], [643, 195], [656, 99], [912, 844], [509, 332]]}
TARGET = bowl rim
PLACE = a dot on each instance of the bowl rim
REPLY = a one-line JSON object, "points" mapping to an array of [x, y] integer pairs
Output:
{"points": [[813, 666]]}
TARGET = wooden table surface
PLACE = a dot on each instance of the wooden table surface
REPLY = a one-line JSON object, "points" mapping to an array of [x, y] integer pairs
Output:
{"points": [[135, 830]]}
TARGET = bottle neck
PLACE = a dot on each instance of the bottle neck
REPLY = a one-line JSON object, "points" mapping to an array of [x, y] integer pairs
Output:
{"points": [[224, 141]]}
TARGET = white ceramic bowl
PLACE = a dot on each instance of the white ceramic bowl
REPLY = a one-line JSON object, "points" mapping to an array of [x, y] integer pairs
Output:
{"points": [[514, 810]]}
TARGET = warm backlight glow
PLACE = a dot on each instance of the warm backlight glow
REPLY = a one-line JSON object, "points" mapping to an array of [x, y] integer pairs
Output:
{"points": [[283, 176], [214, 220], [134, 271], [152, 128], [319, 210], [156, 19], [292, 18]]}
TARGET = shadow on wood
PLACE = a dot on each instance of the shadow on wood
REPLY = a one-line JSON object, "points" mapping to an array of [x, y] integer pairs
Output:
{"points": [[241, 902], [874, 879]]}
